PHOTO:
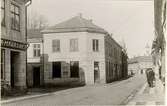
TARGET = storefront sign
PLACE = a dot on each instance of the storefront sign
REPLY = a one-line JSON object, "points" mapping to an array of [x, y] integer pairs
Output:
{"points": [[13, 44]]}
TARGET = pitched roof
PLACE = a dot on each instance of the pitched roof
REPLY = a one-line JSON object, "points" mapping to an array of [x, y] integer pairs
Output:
{"points": [[75, 24], [34, 33], [140, 59]]}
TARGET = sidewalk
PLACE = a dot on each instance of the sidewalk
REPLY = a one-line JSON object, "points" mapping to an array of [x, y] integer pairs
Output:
{"points": [[149, 96]]}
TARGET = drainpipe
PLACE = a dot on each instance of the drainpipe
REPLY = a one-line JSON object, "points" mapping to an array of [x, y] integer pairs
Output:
{"points": [[27, 4]]}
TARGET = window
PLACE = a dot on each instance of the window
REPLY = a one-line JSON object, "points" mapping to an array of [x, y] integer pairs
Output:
{"points": [[36, 50], [56, 70], [73, 45], [15, 17], [3, 12], [74, 69], [95, 45], [56, 45], [2, 63]]}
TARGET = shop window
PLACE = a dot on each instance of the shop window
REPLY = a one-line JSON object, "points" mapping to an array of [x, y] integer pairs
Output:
{"points": [[74, 69], [56, 70]]}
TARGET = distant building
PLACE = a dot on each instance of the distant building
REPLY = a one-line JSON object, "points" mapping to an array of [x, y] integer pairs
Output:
{"points": [[35, 58], [13, 44], [79, 51], [138, 65]]}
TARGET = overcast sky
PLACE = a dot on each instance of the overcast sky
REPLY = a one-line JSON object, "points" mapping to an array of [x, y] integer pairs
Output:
{"points": [[131, 21]]}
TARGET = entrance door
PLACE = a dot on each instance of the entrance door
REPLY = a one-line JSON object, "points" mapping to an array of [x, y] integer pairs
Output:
{"points": [[96, 72], [36, 76], [14, 60]]}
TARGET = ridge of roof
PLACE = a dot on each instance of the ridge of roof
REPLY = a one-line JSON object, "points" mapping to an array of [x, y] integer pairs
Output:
{"points": [[75, 24]]}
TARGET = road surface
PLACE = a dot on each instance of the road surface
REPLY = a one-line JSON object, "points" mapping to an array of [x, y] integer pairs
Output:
{"points": [[104, 94]]}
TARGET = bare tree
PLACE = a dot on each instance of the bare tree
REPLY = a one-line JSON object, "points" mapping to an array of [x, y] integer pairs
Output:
{"points": [[36, 21]]}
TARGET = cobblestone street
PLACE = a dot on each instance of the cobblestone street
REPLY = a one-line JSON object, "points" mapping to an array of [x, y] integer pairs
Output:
{"points": [[106, 94]]}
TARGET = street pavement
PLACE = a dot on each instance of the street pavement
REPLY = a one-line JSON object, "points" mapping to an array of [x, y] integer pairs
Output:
{"points": [[149, 96], [100, 94]]}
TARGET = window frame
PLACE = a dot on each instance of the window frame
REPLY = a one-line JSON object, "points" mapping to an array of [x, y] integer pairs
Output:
{"points": [[74, 45], [36, 50], [55, 47], [13, 12], [95, 44], [3, 8]]}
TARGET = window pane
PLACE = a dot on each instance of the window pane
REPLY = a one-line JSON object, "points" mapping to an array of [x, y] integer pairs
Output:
{"points": [[12, 8], [16, 10], [73, 44], [2, 3], [56, 45], [97, 45], [2, 17], [12, 21], [93, 45], [17, 23], [38, 53]]}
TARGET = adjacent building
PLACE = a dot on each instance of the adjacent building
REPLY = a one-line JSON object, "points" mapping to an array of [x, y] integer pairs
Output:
{"points": [[13, 43], [35, 58], [138, 65], [78, 51]]}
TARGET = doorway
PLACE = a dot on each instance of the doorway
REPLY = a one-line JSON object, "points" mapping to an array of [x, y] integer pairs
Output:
{"points": [[14, 59], [36, 76], [96, 72]]}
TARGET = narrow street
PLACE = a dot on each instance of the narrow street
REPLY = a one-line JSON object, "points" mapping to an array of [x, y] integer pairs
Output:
{"points": [[106, 94]]}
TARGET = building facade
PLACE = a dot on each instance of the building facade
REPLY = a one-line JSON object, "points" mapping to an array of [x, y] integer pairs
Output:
{"points": [[79, 51], [138, 65], [35, 58], [159, 43], [13, 43]]}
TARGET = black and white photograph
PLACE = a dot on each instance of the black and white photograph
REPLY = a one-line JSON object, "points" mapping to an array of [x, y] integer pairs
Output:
{"points": [[83, 52]]}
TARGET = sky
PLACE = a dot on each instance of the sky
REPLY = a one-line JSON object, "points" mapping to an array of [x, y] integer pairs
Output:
{"points": [[129, 21]]}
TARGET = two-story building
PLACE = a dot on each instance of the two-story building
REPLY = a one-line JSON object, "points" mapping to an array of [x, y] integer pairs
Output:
{"points": [[77, 50], [35, 58], [13, 43]]}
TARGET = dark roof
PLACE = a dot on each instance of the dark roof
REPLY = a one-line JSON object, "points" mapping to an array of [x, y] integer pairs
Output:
{"points": [[75, 24], [34, 33]]}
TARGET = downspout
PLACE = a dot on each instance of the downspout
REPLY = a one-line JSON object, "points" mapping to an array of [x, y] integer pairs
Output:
{"points": [[27, 4]]}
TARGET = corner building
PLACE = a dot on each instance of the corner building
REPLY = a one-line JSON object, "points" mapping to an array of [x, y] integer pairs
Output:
{"points": [[75, 51]]}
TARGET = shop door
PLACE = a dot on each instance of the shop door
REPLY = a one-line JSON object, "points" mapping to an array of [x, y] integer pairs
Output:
{"points": [[36, 76]]}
